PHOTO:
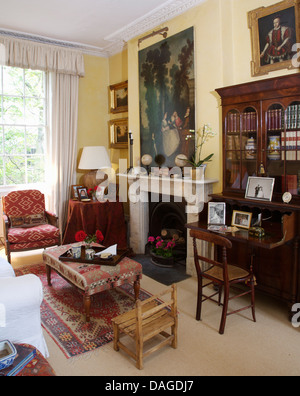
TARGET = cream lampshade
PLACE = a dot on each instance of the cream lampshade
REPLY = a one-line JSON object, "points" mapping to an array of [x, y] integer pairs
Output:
{"points": [[94, 158]]}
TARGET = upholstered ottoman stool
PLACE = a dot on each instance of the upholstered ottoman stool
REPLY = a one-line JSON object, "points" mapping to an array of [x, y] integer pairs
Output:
{"points": [[92, 279]]}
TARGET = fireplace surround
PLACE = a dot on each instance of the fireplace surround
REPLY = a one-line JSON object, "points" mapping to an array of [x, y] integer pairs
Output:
{"points": [[145, 192]]}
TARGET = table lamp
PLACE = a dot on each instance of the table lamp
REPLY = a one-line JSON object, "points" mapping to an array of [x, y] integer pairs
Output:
{"points": [[94, 158]]}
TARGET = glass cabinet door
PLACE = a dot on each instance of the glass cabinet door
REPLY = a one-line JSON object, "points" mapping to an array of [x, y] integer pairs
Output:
{"points": [[240, 147], [283, 147], [291, 149], [274, 149]]}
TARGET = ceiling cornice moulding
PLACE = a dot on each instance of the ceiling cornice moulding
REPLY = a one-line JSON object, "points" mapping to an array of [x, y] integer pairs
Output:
{"points": [[160, 15], [117, 41]]}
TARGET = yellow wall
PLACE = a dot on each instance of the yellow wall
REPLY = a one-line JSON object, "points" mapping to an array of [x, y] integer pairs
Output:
{"points": [[93, 106], [222, 56]]}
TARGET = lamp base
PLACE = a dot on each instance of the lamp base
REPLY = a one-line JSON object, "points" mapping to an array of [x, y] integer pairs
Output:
{"points": [[93, 179]]}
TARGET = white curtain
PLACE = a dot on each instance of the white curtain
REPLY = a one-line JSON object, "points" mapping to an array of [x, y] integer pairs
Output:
{"points": [[64, 66]]}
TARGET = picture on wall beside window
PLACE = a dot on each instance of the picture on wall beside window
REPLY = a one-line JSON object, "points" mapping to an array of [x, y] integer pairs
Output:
{"points": [[119, 97], [118, 133], [275, 33]]}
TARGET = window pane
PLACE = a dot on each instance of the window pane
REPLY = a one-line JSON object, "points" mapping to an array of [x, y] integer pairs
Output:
{"points": [[13, 110], [15, 170], [34, 83], [34, 111], [35, 169], [14, 140], [1, 171], [13, 81], [35, 140], [1, 140]]}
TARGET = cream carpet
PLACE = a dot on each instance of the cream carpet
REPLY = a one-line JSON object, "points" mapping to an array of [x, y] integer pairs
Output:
{"points": [[269, 347]]}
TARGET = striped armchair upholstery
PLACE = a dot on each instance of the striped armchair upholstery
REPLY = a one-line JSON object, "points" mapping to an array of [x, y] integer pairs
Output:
{"points": [[27, 224]]}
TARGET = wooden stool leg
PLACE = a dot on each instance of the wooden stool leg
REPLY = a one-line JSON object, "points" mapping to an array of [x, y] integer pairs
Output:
{"points": [[136, 287], [116, 336], [87, 306], [48, 271]]}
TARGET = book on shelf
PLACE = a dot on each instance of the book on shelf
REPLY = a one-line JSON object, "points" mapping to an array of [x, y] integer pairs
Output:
{"points": [[290, 138], [23, 357]]}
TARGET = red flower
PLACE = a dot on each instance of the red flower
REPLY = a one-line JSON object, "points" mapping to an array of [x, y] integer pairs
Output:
{"points": [[99, 236], [80, 236]]}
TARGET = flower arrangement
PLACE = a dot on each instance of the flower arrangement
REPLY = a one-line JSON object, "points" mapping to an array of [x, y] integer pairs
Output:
{"points": [[161, 247], [92, 192], [81, 236], [203, 136]]}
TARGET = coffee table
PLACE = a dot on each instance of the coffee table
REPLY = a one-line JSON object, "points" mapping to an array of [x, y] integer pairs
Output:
{"points": [[92, 279]]}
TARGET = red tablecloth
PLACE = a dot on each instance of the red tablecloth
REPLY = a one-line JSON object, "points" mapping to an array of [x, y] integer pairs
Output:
{"points": [[108, 217]]}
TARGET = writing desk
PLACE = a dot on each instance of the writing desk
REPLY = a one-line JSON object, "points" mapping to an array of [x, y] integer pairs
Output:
{"points": [[275, 257]]}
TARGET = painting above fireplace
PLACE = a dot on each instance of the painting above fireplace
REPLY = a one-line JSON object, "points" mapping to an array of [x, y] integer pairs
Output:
{"points": [[167, 99]]}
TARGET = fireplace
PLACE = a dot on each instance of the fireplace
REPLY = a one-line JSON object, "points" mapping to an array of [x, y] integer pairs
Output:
{"points": [[168, 219], [143, 195]]}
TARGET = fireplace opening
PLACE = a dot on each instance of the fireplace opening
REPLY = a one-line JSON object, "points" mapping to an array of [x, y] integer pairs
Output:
{"points": [[168, 219]]}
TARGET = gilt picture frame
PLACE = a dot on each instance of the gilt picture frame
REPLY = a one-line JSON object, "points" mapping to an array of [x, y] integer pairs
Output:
{"points": [[119, 97], [275, 32], [241, 219], [118, 133]]}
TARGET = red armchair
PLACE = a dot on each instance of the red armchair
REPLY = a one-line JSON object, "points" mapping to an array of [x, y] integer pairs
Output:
{"points": [[27, 225]]}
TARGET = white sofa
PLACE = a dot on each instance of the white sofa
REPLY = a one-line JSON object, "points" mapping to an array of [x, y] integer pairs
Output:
{"points": [[20, 302]]}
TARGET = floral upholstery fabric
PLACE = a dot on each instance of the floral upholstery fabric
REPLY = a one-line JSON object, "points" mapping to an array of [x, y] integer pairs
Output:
{"points": [[92, 279]]}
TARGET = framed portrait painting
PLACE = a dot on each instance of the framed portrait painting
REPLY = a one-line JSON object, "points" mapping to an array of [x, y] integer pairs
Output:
{"points": [[275, 32], [118, 133]]}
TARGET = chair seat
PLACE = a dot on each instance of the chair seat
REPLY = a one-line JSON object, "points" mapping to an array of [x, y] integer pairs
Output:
{"points": [[33, 234], [234, 273]]}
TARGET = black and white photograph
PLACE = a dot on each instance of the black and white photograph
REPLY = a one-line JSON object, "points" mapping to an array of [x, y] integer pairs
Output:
{"points": [[216, 213], [260, 188]]}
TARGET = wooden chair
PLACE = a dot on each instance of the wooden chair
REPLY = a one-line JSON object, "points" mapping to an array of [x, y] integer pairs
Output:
{"points": [[148, 319], [221, 274]]}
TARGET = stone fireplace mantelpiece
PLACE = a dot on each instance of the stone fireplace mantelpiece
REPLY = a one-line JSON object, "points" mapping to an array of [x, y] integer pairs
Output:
{"points": [[143, 188]]}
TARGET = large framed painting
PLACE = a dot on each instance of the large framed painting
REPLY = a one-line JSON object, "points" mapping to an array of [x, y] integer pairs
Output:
{"points": [[167, 99], [275, 32]]}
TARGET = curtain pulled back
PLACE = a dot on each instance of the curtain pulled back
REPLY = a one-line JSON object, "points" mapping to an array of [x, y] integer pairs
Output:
{"points": [[64, 67]]}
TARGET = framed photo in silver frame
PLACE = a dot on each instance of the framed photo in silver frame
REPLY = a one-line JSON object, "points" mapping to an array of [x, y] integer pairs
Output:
{"points": [[260, 188]]}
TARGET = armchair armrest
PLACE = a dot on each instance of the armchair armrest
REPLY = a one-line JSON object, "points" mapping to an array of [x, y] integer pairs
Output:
{"points": [[51, 218], [20, 299]]}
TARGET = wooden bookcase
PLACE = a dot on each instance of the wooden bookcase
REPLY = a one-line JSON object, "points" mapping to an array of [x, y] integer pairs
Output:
{"points": [[265, 114], [268, 113]]}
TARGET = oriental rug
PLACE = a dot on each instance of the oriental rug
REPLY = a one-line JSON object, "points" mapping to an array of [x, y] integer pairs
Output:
{"points": [[63, 314]]}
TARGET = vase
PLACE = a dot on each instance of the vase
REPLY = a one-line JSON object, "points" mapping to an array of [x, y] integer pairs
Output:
{"points": [[166, 262], [274, 148], [251, 149], [199, 172]]}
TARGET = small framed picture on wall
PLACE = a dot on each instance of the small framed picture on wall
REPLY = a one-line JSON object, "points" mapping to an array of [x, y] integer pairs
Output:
{"points": [[118, 133], [119, 97]]}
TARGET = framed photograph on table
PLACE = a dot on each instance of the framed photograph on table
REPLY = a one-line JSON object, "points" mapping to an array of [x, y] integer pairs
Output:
{"points": [[275, 32], [74, 193], [118, 133], [241, 219], [119, 97], [83, 194], [216, 213], [260, 188]]}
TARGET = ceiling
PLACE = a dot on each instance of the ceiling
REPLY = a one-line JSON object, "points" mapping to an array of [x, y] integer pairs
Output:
{"points": [[101, 27]]}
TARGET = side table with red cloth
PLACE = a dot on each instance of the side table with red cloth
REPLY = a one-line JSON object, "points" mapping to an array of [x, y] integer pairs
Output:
{"points": [[108, 217]]}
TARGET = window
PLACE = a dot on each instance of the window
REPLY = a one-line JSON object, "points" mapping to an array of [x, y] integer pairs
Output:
{"points": [[22, 126]]}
